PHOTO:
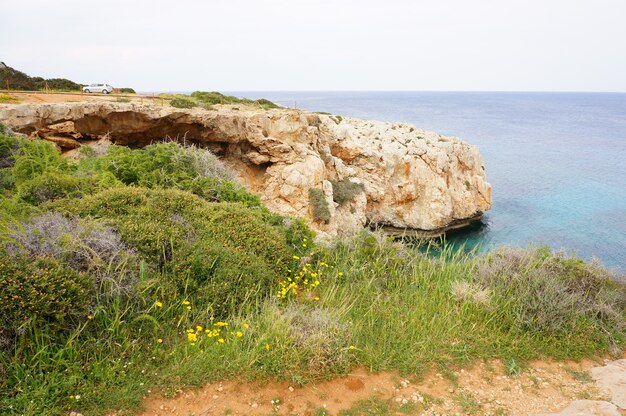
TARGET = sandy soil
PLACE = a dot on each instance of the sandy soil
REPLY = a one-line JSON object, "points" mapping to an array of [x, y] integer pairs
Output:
{"points": [[38, 98], [485, 389]]}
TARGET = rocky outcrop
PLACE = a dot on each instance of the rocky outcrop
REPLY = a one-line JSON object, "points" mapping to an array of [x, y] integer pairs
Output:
{"points": [[412, 180]]}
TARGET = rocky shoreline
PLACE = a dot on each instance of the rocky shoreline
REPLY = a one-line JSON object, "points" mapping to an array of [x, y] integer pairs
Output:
{"points": [[412, 182]]}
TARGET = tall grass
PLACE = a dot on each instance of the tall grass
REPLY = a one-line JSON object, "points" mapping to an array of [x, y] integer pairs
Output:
{"points": [[214, 289]]}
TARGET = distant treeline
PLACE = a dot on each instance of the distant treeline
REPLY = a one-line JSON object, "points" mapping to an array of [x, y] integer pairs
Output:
{"points": [[17, 80]]}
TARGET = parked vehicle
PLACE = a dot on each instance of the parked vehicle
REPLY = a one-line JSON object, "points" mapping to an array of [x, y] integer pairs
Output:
{"points": [[103, 88]]}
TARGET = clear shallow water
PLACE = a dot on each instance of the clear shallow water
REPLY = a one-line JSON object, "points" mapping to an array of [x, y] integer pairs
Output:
{"points": [[556, 161]]}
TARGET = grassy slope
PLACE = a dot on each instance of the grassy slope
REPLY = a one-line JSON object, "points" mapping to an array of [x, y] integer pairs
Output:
{"points": [[187, 287]]}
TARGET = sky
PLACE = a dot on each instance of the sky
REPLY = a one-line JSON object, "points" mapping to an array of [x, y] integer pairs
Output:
{"points": [[292, 45]]}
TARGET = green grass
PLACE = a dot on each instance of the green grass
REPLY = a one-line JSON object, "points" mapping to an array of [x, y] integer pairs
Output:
{"points": [[181, 248], [208, 99]]}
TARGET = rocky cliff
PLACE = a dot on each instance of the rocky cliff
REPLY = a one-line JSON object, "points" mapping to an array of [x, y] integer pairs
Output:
{"points": [[410, 179]]}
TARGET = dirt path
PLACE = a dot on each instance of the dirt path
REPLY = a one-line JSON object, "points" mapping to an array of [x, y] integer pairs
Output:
{"points": [[23, 97], [485, 389]]}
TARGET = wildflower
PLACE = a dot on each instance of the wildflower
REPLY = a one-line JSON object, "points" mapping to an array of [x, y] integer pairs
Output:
{"points": [[239, 334], [186, 302], [90, 317], [77, 397], [158, 304], [267, 347], [246, 326], [188, 308], [352, 347], [221, 340], [198, 328], [340, 274], [160, 341]]}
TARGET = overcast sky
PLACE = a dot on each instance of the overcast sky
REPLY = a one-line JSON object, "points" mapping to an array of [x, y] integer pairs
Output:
{"points": [[239, 45]]}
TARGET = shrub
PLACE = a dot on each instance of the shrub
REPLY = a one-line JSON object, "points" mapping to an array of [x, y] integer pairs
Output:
{"points": [[214, 97], [51, 186], [159, 222], [122, 100], [319, 205], [127, 91], [84, 246], [221, 277], [320, 337], [553, 294], [56, 84], [8, 147], [42, 291], [345, 190], [182, 103], [30, 158]]}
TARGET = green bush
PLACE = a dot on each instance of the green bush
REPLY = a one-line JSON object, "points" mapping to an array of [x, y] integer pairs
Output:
{"points": [[56, 84], [345, 190], [319, 205], [27, 159], [171, 165], [158, 222], [42, 291], [214, 97], [182, 103], [222, 277], [127, 91], [51, 186]]}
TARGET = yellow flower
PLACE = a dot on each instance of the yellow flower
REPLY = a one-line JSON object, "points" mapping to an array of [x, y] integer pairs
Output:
{"points": [[188, 308], [198, 328], [246, 326], [158, 304], [239, 334], [267, 347], [296, 258], [186, 302], [340, 274], [90, 317], [352, 347], [160, 341], [221, 340]]}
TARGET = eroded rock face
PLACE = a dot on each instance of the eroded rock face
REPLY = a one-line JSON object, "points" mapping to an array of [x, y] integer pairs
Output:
{"points": [[412, 179]]}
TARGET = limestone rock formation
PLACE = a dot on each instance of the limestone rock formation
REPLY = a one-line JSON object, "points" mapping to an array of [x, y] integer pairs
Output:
{"points": [[611, 379], [411, 179], [587, 408]]}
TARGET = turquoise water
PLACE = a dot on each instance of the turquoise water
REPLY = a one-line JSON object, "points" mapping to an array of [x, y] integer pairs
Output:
{"points": [[556, 161]]}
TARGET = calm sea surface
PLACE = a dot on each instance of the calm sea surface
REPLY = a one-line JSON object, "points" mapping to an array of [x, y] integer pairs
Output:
{"points": [[556, 161]]}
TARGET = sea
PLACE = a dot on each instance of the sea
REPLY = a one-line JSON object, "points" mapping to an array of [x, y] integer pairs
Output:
{"points": [[556, 161]]}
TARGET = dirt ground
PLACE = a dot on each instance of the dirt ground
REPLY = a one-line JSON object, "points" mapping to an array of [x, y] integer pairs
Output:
{"points": [[53, 97], [484, 389]]}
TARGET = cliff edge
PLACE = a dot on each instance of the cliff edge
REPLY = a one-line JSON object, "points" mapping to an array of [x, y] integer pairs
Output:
{"points": [[365, 172]]}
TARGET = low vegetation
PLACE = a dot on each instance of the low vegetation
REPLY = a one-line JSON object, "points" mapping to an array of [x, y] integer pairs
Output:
{"points": [[345, 190], [208, 99], [319, 205], [151, 270], [18, 80]]}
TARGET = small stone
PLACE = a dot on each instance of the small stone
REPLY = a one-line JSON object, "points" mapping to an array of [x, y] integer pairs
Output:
{"points": [[254, 405], [291, 389], [215, 396]]}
